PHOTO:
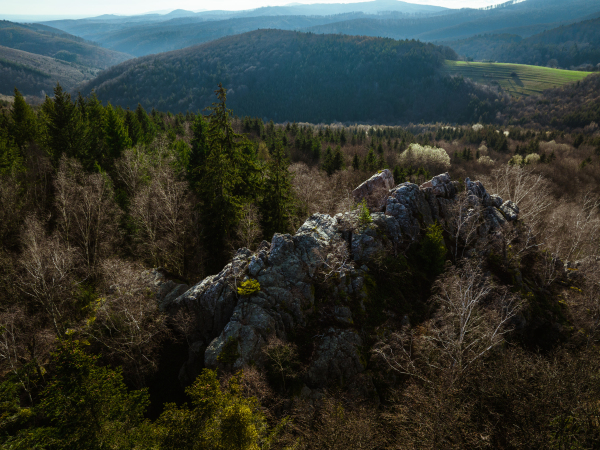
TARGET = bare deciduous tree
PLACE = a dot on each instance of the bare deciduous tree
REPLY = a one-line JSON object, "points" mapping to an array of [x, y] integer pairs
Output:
{"points": [[24, 347], [162, 209], [530, 191], [126, 322], [48, 273], [248, 230], [471, 320], [87, 212]]}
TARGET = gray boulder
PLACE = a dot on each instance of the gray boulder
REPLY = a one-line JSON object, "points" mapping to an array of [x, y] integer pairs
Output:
{"points": [[510, 210], [375, 190]]}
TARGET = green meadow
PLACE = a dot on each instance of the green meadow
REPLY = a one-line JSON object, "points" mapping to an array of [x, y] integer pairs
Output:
{"points": [[516, 79]]}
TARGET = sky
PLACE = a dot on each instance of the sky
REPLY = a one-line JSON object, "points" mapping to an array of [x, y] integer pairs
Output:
{"points": [[89, 8]]}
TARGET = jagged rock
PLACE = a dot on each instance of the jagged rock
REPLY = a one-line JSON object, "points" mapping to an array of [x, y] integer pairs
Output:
{"points": [[365, 243], [496, 200], [337, 358], [477, 193], [408, 205], [441, 186], [510, 210], [375, 190], [231, 330]]}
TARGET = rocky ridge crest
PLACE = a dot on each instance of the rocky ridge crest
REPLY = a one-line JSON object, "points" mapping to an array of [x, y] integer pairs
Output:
{"points": [[231, 330]]}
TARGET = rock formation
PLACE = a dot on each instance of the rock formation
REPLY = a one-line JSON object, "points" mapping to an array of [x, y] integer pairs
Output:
{"points": [[231, 330]]}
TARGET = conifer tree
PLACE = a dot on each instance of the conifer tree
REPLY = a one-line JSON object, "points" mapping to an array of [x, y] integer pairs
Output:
{"points": [[221, 178], [275, 208], [64, 126], [198, 152], [23, 124], [116, 136], [356, 162], [148, 128]]}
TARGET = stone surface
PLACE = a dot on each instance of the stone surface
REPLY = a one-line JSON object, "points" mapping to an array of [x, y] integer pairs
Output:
{"points": [[375, 190], [231, 331], [510, 210]]}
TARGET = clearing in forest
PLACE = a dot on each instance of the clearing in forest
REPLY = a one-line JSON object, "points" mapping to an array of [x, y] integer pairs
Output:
{"points": [[516, 79]]}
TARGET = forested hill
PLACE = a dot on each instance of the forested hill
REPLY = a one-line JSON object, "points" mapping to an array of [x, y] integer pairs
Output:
{"points": [[292, 76], [564, 46], [47, 41], [527, 16]]}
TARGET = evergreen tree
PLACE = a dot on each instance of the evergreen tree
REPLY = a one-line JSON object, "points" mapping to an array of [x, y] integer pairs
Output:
{"points": [[198, 152], [134, 129], [338, 160], [221, 182], [87, 407], [148, 127], [116, 136], [328, 161], [65, 130], [370, 163], [275, 207], [356, 162], [23, 124], [95, 118]]}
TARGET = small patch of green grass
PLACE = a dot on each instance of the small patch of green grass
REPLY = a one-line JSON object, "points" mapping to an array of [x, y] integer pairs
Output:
{"points": [[516, 79]]}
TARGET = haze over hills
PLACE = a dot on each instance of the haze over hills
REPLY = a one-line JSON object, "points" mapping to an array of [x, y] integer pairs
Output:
{"points": [[47, 41], [465, 23], [292, 76], [155, 33]]}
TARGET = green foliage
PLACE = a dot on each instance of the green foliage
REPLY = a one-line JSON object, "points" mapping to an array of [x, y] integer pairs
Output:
{"points": [[248, 287], [278, 192], [217, 419], [229, 354], [23, 125], [432, 251], [364, 215], [87, 407], [115, 134]]}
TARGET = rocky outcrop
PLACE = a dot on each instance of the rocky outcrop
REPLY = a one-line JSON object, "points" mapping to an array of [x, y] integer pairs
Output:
{"points": [[375, 190], [232, 329]]}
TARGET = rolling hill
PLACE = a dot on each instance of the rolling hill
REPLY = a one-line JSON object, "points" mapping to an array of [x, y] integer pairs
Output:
{"points": [[32, 73], [292, 76], [529, 14], [175, 34], [516, 79], [564, 46], [46, 41]]}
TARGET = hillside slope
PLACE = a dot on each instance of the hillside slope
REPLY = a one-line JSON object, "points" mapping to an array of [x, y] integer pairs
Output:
{"points": [[32, 74], [564, 46], [45, 41], [516, 79], [469, 22], [284, 75]]}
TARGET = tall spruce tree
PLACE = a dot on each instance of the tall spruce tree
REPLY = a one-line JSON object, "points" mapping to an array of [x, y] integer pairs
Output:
{"points": [[65, 129], [277, 201], [116, 136], [220, 182], [23, 123]]}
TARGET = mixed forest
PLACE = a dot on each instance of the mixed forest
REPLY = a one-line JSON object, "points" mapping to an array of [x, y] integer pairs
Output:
{"points": [[94, 198], [308, 227]]}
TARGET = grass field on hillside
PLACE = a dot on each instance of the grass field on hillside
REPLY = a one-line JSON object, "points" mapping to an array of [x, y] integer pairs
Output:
{"points": [[516, 79]]}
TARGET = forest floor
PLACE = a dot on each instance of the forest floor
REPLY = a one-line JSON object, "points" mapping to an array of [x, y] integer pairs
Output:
{"points": [[516, 79]]}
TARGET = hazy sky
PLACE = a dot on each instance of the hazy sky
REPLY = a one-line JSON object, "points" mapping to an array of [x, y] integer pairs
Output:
{"points": [[96, 7]]}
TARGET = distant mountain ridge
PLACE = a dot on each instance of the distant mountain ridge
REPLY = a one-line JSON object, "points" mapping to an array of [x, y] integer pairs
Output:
{"points": [[155, 33]]}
